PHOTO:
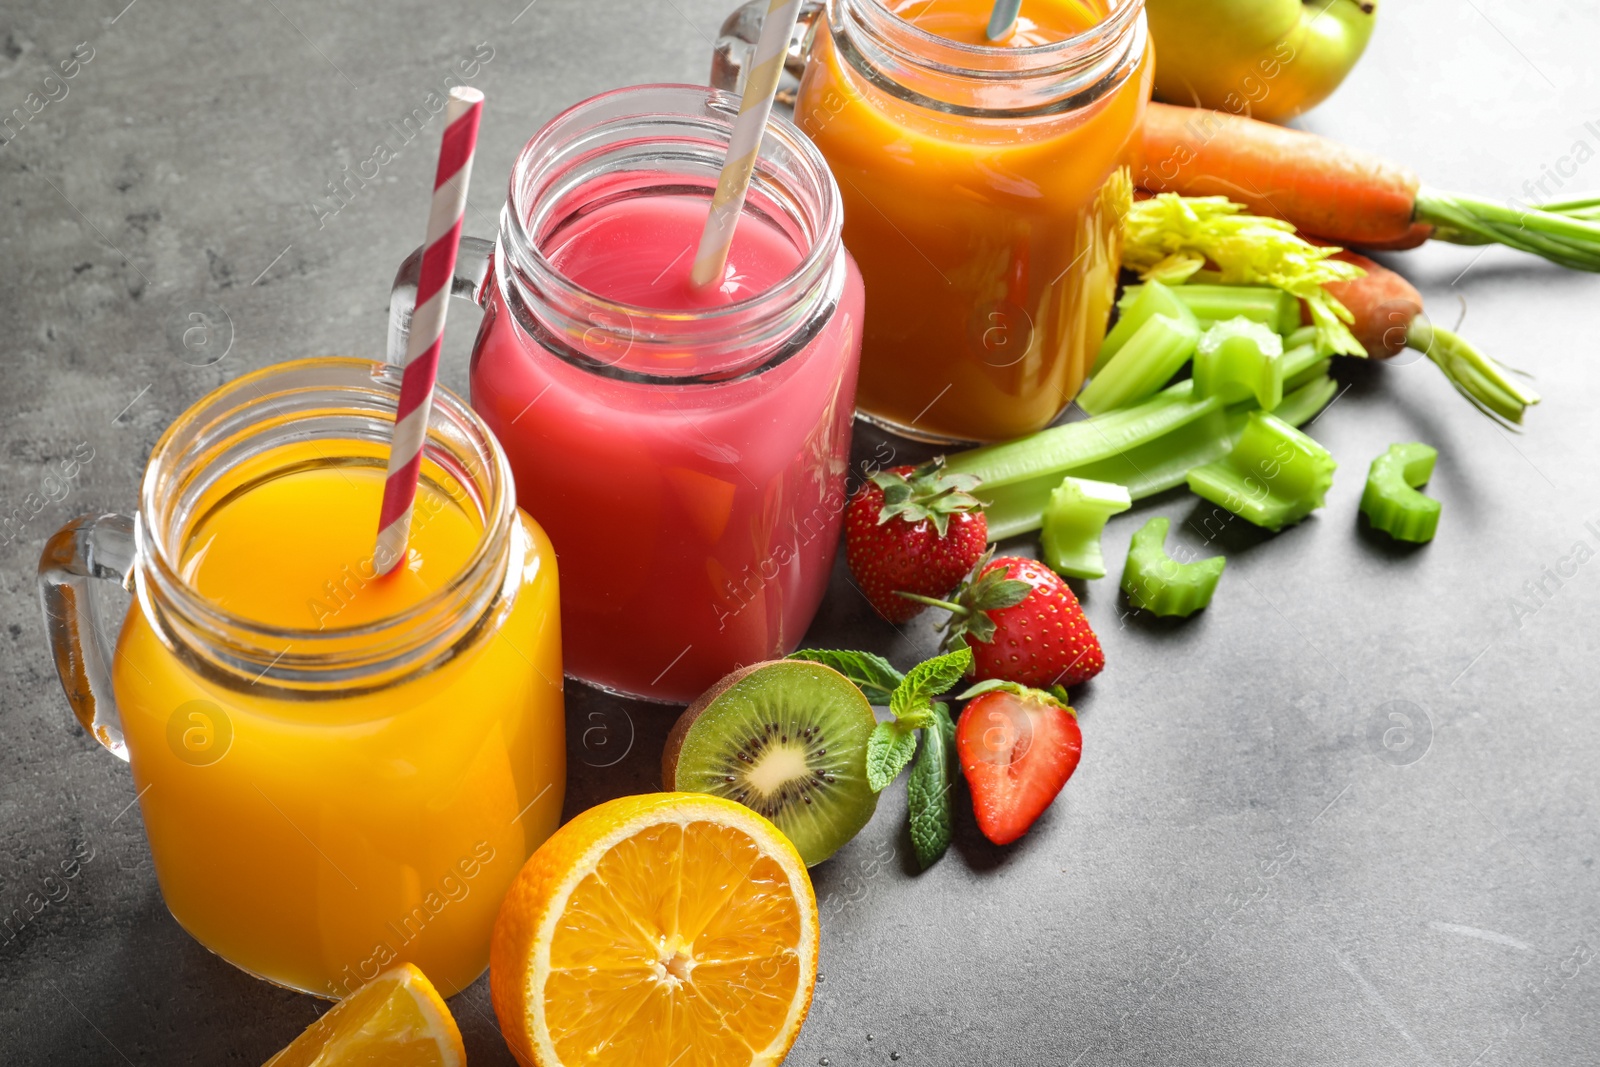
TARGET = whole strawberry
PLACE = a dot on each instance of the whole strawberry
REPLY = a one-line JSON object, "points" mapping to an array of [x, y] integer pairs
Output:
{"points": [[913, 530], [1023, 625]]}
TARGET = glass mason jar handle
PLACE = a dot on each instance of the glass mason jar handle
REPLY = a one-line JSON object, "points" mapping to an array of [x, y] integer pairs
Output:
{"points": [[86, 548], [730, 56], [474, 265]]}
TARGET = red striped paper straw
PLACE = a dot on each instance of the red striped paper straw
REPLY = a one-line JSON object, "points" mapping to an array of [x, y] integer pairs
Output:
{"points": [[427, 324]]}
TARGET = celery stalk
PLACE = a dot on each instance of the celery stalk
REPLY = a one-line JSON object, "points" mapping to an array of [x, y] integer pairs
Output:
{"points": [[1274, 476], [1134, 311], [1149, 359], [1147, 448], [1016, 478], [1305, 335], [1165, 463], [1297, 359], [1273, 308], [1314, 372], [1073, 522], [1301, 405]]}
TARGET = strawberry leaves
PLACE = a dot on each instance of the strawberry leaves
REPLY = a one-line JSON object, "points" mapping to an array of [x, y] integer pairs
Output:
{"points": [[1056, 694], [989, 590], [926, 493]]}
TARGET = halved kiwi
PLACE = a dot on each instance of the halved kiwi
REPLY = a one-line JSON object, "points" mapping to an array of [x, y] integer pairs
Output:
{"points": [[787, 738]]}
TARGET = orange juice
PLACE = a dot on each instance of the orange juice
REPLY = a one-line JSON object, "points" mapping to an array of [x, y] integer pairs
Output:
{"points": [[369, 796], [983, 184]]}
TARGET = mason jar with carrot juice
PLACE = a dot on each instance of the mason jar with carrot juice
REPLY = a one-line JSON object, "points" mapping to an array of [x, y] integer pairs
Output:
{"points": [[336, 770], [983, 184]]}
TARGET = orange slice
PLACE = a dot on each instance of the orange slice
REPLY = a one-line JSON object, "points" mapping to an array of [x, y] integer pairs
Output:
{"points": [[395, 1020], [667, 930]]}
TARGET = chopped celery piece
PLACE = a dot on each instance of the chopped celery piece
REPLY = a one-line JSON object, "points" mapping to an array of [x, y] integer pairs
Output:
{"points": [[1391, 501], [1136, 309], [1158, 583], [1240, 358], [1273, 308], [1148, 448], [1274, 476], [1143, 365], [1073, 522]]}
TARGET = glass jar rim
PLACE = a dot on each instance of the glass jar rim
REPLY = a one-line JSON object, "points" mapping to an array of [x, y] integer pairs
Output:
{"points": [[396, 642], [711, 112], [1123, 12], [1074, 72]]}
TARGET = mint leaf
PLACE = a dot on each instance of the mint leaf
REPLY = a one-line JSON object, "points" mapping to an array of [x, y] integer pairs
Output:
{"points": [[871, 673], [889, 749], [927, 680], [928, 790]]}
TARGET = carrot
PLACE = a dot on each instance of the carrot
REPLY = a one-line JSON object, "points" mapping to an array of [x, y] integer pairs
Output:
{"points": [[1389, 319], [1319, 185], [1419, 235], [1342, 193], [1383, 303]]}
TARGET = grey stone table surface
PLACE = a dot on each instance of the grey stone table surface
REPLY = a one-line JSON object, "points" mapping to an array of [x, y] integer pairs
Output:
{"points": [[1256, 863]]}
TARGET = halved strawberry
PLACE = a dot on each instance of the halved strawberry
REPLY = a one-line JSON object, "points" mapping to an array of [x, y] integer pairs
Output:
{"points": [[1018, 746]]}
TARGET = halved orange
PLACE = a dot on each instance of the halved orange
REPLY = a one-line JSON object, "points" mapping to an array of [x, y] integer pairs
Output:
{"points": [[395, 1020], [666, 930]]}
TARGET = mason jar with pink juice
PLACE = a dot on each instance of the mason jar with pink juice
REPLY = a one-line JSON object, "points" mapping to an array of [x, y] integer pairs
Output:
{"points": [[685, 449]]}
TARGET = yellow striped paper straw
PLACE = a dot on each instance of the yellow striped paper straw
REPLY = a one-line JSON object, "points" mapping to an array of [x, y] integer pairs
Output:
{"points": [[766, 70]]}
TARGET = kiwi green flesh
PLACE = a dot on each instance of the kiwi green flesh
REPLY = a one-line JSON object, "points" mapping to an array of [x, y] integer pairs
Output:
{"points": [[787, 739]]}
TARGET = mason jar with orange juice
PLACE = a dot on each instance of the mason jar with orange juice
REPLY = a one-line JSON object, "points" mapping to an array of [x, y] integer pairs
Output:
{"points": [[983, 183], [336, 770]]}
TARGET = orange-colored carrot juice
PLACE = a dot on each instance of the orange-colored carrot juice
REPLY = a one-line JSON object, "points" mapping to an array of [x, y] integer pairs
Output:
{"points": [[314, 834], [983, 184]]}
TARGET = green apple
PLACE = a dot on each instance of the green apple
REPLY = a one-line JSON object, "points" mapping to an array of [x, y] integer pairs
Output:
{"points": [[1269, 59]]}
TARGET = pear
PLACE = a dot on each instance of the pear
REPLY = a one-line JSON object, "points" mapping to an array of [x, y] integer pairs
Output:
{"points": [[1269, 59]]}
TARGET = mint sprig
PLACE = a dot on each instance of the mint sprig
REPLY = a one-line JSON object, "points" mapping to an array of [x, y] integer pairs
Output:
{"points": [[893, 743]]}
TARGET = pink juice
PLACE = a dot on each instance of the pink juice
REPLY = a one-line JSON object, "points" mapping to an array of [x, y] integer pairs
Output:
{"points": [[695, 522]]}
